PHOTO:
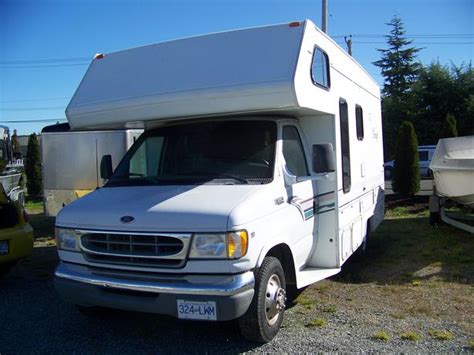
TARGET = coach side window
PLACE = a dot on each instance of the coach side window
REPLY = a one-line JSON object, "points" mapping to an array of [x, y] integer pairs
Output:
{"points": [[345, 147], [359, 123]]}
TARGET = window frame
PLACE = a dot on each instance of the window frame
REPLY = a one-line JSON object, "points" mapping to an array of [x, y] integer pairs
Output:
{"points": [[302, 146], [360, 133], [326, 56], [345, 144]]}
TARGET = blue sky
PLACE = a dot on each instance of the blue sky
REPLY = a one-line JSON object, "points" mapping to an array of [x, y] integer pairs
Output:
{"points": [[45, 45]]}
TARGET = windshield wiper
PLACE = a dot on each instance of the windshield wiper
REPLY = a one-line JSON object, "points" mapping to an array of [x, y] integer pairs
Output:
{"points": [[220, 176], [127, 181]]}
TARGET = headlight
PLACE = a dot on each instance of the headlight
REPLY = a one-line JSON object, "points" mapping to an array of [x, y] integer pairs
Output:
{"points": [[232, 245], [67, 239]]}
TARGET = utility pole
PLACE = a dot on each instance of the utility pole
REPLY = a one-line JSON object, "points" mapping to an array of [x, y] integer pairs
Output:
{"points": [[349, 44], [324, 26]]}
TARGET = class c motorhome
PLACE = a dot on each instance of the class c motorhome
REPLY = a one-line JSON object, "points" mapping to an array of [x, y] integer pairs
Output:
{"points": [[260, 171]]}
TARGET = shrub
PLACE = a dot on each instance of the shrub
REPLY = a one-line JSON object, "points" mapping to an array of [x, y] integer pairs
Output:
{"points": [[406, 173], [441, 334], [449, 127], [33, 167], [410, 336], [318, 322], [15, 145], [382, 336]]}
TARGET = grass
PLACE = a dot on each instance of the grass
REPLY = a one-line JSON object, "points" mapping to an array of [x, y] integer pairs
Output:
{"points": [[412, 336], [381, 335], [306, 302], [43, 226], [471, 344], [330, 309], [441, 334], [34, 205], [413, 251], [317, 322]]}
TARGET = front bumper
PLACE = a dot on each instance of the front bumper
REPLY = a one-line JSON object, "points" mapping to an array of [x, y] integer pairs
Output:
{"points": [[153, 293]]}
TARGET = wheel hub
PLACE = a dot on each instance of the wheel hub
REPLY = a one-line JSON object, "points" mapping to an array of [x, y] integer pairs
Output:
{"points": [[275, 298]]}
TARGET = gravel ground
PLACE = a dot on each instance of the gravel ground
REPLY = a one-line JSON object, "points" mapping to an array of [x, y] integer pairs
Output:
{"points": [[34, 320]]}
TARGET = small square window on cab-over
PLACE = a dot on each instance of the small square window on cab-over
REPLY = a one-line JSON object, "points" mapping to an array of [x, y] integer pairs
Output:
{"points": [[320, 68]]}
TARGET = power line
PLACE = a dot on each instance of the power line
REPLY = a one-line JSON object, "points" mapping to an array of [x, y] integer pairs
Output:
{"points": [[43, 66], [459, 35], [43, 108], [38, 61], [29, 100], [34, 121], [381, 42]]}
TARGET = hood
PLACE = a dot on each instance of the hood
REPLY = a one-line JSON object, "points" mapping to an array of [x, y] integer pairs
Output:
{"points": [[202, 208]]}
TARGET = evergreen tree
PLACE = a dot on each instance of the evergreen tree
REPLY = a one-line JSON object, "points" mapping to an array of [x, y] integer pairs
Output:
{"points": [[449, 127], [15, 145], [440, 90], [399, 68], [33, 167], [406, 172], [398, 64]]}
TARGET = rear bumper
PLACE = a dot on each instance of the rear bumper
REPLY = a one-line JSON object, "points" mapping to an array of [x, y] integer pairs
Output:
{"points": [[20, 242], [153, 293]]}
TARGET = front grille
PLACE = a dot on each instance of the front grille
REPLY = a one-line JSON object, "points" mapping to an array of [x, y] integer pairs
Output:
{"points": [[135, 249]]}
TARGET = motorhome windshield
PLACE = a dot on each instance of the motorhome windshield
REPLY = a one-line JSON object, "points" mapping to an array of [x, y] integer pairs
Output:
{"points": [[236, 152]]}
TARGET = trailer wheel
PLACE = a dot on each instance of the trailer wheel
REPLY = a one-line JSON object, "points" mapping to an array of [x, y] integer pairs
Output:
{"points": [[435, 218], [263, 319]]}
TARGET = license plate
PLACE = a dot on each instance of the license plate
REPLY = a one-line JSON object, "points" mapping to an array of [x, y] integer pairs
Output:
{"points": [[3, 247], [197, 310]]}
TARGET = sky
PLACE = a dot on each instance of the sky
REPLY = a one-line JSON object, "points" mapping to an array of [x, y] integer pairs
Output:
{"points": [[46, 45]]}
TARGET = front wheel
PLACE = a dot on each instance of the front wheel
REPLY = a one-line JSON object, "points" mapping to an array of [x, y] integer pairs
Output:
{"points": [[263, 319]]}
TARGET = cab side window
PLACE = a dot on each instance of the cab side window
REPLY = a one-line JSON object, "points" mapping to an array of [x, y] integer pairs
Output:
{"points": [[293, 152]]}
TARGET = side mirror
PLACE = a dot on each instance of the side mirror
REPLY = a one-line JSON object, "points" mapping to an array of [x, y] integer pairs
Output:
{"points": [[324, 160], [106, 167]]}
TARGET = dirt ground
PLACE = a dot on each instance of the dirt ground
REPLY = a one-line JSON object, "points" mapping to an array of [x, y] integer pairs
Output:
{"points": [[412, 290]]}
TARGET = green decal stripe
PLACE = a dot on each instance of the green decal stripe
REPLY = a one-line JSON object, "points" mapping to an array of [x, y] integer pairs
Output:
{"points": [[309, 213], [325, 208]]}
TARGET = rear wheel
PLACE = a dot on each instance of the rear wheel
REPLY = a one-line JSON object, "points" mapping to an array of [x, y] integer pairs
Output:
{"points": [[263, 319]]}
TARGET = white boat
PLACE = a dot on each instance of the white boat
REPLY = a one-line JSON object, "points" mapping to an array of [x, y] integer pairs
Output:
{"points": [[453, 169]]}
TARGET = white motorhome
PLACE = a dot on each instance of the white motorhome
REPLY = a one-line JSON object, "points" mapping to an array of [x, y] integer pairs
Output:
{"points": [[260, 172]]}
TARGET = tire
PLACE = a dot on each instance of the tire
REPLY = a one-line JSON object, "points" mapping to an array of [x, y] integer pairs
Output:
{"points": [[435, 218], [263, 319]]}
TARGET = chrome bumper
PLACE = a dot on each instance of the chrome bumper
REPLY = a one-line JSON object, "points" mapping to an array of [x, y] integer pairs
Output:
{"points": [[215, 285]]}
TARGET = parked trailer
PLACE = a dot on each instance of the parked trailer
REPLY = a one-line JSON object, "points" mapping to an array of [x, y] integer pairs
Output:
{"points": [[453, 172], [260, 172], [70, 161]]}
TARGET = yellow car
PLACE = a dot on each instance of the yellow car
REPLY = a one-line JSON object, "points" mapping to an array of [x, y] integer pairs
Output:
{"points": [[16, 234]]}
